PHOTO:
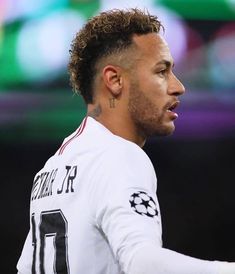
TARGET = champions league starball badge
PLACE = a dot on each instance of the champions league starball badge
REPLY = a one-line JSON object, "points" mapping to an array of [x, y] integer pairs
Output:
{"points": [[143, 204]]}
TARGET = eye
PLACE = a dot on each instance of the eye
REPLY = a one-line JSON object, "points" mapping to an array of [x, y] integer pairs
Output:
{"points": [[162, 72]]}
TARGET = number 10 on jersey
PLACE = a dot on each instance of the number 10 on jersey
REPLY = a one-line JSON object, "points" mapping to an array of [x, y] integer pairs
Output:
{"points": [[52, 224]]}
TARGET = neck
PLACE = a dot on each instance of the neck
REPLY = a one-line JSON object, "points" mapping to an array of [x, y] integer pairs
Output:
{"points": [[119, 124]]}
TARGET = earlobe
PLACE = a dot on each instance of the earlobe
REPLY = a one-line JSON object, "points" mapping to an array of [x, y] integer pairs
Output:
{"points": [[113, 79]]}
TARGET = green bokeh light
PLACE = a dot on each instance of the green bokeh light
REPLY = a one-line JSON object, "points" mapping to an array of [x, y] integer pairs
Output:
{"points": [[202, 9], [10, 69]]}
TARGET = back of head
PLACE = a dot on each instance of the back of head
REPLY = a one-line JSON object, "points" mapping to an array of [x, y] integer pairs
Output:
{"points": [[104, 35]]}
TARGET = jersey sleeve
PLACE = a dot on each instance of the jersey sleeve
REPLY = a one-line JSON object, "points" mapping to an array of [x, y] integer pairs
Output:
{"points": [[153, 260], [126, 205]]}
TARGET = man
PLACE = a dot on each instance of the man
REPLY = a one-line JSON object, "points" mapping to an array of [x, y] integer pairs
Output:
{"points": [[94, 208]]}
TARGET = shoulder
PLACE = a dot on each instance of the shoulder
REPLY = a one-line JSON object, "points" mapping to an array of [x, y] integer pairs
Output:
{"points": [[125, 163], [114, 147], [115, 151], [127, 152]]}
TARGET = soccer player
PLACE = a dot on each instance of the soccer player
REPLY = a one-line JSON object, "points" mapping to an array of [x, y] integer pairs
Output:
{"points": [[94, 208]]}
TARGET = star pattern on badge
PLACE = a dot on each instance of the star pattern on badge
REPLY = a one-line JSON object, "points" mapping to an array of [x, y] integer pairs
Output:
{"points": [[142, 203]]}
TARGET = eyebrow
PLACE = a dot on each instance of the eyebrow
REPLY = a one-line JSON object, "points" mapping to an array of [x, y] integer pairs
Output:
{"points": [[167, 63]]}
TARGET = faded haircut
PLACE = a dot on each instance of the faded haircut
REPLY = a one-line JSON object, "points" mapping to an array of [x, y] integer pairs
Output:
{"points": [[108, 33]]}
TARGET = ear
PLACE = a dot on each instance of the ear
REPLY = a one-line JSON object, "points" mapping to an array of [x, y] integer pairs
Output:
{"points": [[113, 79]]}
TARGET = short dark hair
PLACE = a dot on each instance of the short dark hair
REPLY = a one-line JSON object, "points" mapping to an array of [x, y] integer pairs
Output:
{"points": [[103, 35]]}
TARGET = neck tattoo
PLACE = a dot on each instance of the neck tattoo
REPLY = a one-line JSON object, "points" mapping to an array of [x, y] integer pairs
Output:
{"points": [[112, 102], [95, 112]]}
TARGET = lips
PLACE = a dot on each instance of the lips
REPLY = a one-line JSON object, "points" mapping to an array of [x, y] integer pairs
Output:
{"points": [[171, 107]]}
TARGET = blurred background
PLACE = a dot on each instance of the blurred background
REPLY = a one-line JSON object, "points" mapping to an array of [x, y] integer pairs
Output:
{"points": [[195, 166]]}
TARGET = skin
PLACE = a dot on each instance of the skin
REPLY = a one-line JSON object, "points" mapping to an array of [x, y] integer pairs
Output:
{"points": [[133, 101]]}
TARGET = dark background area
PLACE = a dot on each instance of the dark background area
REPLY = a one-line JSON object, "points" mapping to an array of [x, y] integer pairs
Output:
{"points": [[196, 193], [195, 189]]}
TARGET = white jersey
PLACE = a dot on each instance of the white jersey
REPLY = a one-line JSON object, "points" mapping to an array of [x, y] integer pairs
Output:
{"points": [[93, 205], [94, 210]]}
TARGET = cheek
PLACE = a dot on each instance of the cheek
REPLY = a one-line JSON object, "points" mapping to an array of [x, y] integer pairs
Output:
{"points": [[155, 92], [154, 85]]}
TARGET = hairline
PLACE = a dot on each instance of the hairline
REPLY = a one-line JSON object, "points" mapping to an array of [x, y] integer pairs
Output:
{"points": [[116, 58]]}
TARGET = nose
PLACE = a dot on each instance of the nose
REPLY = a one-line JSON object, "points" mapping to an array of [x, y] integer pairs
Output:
{"points": [[175, 87]]}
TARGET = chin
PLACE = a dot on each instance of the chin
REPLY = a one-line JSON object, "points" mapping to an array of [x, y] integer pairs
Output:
{"points": [[164, 130], [155, 129]]}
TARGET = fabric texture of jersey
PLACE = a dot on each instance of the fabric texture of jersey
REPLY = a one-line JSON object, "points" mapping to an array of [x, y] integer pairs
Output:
{"points": [[93, 205]]}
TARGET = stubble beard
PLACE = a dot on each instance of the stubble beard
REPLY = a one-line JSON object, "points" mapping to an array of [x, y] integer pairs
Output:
{"points": [[147, 118]]}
